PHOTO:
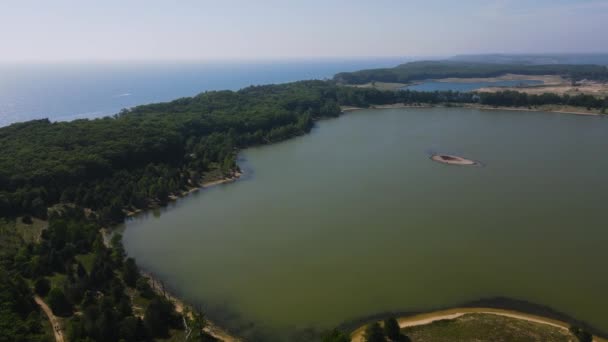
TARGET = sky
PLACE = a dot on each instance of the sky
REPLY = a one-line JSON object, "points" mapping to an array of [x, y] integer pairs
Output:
{"points": [[118, 30]]}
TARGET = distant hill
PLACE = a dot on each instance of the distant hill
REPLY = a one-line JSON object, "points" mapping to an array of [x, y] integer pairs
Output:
{"points": [[535, 59], [422, 70]]}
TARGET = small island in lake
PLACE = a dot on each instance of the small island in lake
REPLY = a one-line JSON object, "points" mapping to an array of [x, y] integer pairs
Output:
{"points": [[453, 160]]}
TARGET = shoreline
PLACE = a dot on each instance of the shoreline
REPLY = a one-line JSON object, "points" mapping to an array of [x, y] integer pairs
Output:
{"points": [[577, 111], [235, 175], [181, 307], [450, 314]]}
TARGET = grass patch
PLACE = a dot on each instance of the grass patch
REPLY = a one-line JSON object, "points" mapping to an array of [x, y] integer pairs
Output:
{"points": [[14, 234], [30, 232], [86, 260], [58, 280], [174, 336], [486, 327], [139, 304]]}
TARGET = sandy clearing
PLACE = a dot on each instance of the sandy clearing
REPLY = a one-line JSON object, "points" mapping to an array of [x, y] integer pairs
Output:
{"points": [[52, 319]]}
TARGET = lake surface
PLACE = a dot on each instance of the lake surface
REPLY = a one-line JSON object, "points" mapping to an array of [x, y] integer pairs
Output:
{"points": [[355, 219], [469, 86], [63, 92]]}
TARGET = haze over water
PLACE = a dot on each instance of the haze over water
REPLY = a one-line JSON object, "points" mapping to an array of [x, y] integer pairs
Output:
{"points": [[354, 219]]}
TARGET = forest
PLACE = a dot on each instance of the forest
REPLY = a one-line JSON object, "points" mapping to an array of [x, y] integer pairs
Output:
{"points": [[81, 175], [422, 70]]}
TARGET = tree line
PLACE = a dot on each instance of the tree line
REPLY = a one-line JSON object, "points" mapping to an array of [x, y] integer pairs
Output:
{"points": [[422, 70]]}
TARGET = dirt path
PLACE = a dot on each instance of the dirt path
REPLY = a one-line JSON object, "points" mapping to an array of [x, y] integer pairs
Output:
{"points": [[54, 321], [423, 319]]}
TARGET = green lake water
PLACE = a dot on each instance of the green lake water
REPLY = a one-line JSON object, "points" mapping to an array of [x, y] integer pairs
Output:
{"points": [[354, 219]]}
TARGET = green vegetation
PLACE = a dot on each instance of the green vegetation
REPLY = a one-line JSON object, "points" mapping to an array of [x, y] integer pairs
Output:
{"points": [[391, 329], [42, 286], [581, 334], [415, 71], [20, 319], [59, 303], [374, 333], [99, 295], [486, 327], [336, 336]]}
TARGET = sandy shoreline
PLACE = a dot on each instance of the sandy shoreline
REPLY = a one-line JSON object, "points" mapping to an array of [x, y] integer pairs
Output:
{"points": [[427, 318], [548, 109]]}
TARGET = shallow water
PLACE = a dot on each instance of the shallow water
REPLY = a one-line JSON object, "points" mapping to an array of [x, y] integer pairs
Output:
{"points": [[355, 219], [469, 86]]}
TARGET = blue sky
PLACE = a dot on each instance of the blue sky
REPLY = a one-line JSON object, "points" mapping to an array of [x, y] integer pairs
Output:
{"points": [[87, 30]]}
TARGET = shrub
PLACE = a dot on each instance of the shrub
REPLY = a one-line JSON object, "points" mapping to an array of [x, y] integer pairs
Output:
{"points": [[391, 329], [42, 287]]}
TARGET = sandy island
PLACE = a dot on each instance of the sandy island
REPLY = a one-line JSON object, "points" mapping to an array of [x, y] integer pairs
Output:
{"points": [[453, 160]]}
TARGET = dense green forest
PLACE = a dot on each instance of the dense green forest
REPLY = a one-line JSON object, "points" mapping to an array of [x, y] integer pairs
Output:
{"points": [[81, 175], [423, 70]]}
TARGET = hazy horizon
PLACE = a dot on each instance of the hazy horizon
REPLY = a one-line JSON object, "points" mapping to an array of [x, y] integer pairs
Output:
{"points": [[68, 30]]}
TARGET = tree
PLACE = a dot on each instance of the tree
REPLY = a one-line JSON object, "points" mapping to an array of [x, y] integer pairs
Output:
{"points": [[336, 336], [373, 333], [391, 329], [159, 316], [130, 273], [198, 324], [581, 334], [143, 286], [42, 287], [59, 303]]}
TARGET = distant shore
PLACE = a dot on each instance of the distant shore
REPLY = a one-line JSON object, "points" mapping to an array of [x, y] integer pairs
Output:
{"points": [[546, 108]]}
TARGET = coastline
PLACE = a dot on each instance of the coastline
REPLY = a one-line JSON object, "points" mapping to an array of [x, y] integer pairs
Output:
{"points": [[450, 314]]}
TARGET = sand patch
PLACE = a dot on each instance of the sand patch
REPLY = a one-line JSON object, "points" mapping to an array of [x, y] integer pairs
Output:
{"points": [[453, 160]]}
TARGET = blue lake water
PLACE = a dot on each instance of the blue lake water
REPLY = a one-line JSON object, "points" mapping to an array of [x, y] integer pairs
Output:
{"points": [[73, 91], [469, 86]]}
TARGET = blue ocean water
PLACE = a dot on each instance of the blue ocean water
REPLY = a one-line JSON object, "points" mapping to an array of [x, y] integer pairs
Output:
{"points": [[74, 91], [469, 86]]}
